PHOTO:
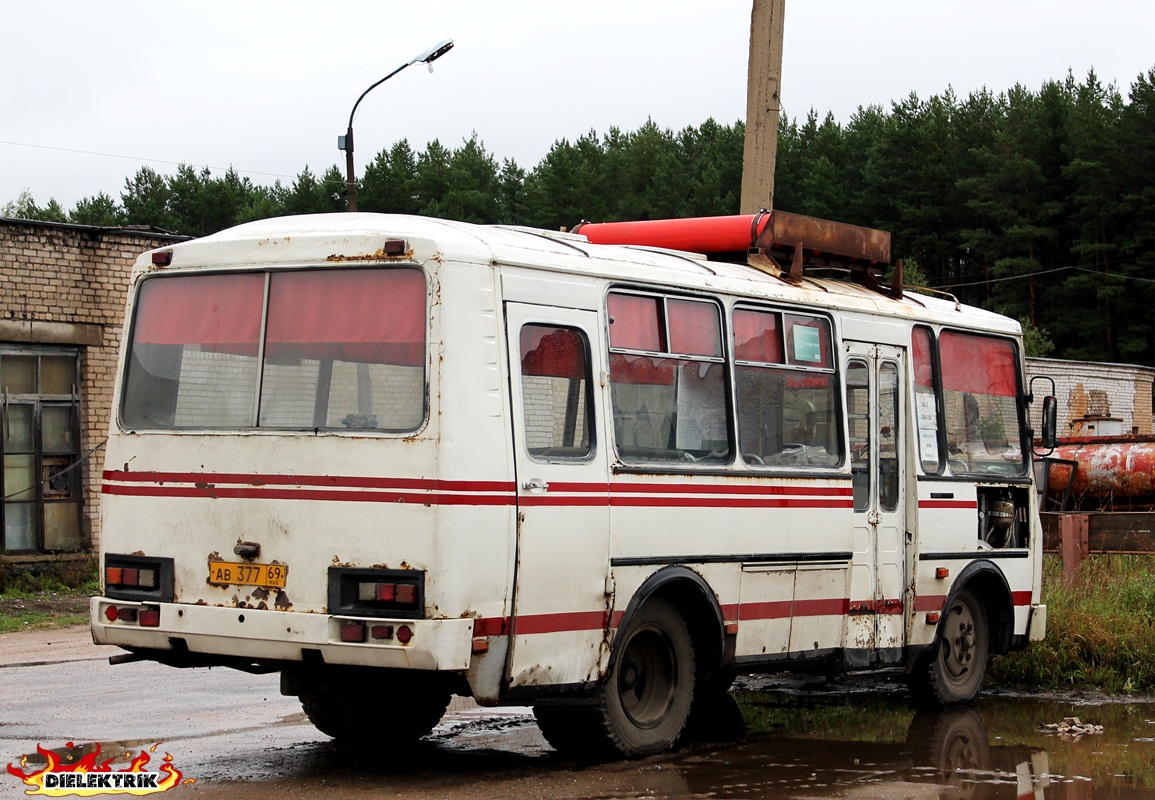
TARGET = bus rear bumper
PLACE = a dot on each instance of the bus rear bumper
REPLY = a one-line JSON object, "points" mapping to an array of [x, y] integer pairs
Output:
{"points": [[442, 644]]}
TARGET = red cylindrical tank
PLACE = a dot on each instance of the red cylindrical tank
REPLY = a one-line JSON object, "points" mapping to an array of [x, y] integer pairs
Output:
{"points": [[1122, 468], [731, 234]]}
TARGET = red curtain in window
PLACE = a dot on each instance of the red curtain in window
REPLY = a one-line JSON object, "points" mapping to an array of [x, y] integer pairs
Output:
{"points": [[635, 323], [808, 380], [552, 352], [695, 329], [221, 313], [923, 361], [367, 316], [757, 337], [978, 364], [642, 370]]}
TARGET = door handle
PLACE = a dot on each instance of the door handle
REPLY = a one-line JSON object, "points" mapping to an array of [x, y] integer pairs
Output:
{"points": [[535, 485]]}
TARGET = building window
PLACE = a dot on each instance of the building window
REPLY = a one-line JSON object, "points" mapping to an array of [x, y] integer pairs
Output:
{"points": [[40, 447]]}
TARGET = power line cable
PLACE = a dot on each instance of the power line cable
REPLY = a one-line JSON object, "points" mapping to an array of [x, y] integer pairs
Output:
{"points": [[146, 160], [1029, 275]]}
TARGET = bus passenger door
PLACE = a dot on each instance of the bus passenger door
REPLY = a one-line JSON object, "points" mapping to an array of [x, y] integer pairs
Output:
{"points": [[560, 606], [874, 396]]}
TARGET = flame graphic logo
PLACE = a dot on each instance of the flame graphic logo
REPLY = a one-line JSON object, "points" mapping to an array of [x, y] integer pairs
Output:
{"points": [[82, 779]]}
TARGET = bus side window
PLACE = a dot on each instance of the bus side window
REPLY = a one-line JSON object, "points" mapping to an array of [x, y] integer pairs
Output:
{"points": [[786, 389], [927, 405], [668, 379], [555, 392], [858, 414]]}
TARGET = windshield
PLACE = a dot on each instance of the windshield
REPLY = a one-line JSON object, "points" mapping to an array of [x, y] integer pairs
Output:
{"points": [[980, 381], [333, 349]]}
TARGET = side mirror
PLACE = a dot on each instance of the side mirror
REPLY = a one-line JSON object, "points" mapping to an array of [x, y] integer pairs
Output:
{"points": [[1049, 438], [1050, 432]]}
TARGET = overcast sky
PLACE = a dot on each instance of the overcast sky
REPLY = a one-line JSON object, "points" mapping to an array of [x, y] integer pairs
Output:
{"points": [[93, 91]]}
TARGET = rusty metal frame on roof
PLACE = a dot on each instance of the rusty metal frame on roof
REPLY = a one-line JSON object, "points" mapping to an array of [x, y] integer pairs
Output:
{"points": [[804, 242]]}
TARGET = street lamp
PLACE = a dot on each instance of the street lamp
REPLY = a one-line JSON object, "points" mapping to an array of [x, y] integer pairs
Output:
{"points": [[346, 142]]}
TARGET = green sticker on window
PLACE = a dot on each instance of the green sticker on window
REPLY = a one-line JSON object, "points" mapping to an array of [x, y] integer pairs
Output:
{"points": [[807, 344]]}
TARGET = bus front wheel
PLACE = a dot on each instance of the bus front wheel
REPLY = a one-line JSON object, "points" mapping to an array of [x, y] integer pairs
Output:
{"points": [[646, 699], [952, 672]]}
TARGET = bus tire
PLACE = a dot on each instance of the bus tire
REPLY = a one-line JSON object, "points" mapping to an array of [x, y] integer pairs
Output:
{"points": [[646, 699], [952, 671], [411, 708], [572, 730]]}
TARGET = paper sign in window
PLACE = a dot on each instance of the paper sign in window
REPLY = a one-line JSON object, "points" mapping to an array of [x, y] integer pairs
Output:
{"points": [[807, 344]]}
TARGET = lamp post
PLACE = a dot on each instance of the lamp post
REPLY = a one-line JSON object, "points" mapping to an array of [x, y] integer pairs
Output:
{"points": [[346, 142]]}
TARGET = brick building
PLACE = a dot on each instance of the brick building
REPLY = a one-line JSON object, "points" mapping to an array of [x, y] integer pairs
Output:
{"points": [[62, 293], [1097, 399]]}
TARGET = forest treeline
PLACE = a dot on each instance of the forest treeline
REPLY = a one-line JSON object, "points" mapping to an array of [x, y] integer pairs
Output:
{"points": [[1039, 204]]}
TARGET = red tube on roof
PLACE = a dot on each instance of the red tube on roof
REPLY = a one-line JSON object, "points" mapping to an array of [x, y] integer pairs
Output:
{"points": [[731, 234]]}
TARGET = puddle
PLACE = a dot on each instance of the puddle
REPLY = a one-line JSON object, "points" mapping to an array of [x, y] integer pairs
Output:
{"points": [[800, 741], [866, 744]]}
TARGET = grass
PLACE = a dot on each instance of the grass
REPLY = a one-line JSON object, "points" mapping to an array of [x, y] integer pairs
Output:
{"points": [[1100, 630], [55, 599]]}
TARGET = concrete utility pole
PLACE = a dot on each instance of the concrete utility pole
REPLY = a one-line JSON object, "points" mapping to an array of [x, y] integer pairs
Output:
{"points": [[763, 82]]}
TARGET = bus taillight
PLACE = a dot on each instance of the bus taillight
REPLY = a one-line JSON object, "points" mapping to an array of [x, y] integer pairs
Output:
{"points": [[377, 592], [402, 593], [137, 577], [352, 631], [129, 578]]}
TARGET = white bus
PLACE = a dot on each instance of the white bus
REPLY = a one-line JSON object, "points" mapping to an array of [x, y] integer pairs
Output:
{"points": [[397, 458]]}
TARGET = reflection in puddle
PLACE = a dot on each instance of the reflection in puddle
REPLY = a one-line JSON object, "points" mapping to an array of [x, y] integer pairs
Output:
{"points": [[798, 743], [822, 743], [69, 754]]}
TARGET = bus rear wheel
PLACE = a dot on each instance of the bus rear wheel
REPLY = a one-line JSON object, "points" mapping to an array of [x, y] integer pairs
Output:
{"points": [[952, 672], [646, 699], [387, 710]]}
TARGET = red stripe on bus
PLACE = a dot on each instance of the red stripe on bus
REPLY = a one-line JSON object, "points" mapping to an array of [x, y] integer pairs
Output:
{"points": [[253, 492], [948, 504], [929, 602], [261, 493], [783, 609], [438, 492], [340, 481], [744, 612], [430, 484], [884, 607], [935, 602], [548, 500], [723, 488], [772, 609], [727, 502], [563, 622], [533, 624]]}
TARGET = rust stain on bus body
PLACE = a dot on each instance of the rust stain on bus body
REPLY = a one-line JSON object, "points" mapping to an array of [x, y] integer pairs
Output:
{"points": [[379, 255]]}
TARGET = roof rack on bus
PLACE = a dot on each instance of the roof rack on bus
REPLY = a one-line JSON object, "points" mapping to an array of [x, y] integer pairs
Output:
{"points": [[778, 243]]}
